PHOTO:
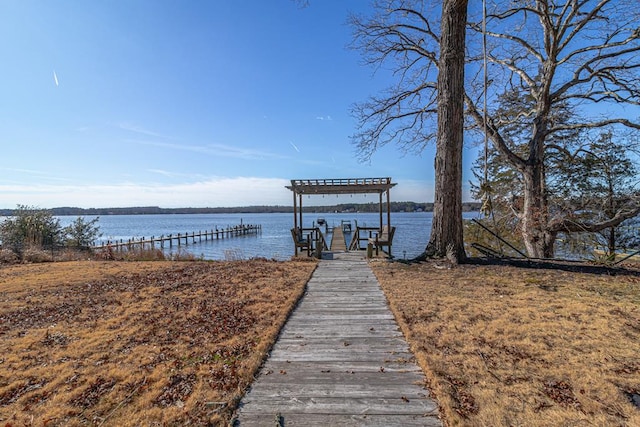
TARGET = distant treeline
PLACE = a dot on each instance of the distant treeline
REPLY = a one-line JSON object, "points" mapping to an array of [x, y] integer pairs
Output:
{"points": [[346, 207]]}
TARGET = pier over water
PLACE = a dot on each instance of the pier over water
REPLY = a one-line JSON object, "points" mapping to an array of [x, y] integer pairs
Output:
{"points": [[181, 239]]}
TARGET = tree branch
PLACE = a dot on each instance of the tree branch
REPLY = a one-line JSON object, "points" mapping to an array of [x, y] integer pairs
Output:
{"points": [[572, 226]]}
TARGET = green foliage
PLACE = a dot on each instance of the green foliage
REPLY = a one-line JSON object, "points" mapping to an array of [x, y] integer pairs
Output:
{"points": [[604, 181], [82, 233], [589, 179], [30, 227]]}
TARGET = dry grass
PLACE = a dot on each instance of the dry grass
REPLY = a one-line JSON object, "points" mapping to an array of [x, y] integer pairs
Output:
{"points": [[506, 346], [137, 343]]}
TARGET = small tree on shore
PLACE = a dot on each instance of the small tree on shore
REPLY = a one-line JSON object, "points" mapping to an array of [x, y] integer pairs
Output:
{"points": [[82, 233], [607, 182]]}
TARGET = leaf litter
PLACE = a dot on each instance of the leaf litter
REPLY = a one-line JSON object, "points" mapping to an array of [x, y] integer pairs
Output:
{"points": [[131, 343]]}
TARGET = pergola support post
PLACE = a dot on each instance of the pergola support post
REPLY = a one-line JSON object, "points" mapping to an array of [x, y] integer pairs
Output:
{"points": [[295, 222], [388, 209]]}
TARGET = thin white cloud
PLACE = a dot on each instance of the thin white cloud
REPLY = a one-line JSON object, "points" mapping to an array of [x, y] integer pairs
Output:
{"points": [[55, 78], [165, 173], [212, 192], [295, 147], [25, 171], [220, 150], [39, 174], [240, 153], [131, 127], [205, 192], [170, 174]]}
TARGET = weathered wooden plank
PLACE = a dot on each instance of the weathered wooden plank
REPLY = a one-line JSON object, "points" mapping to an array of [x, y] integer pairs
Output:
{"points": [[346, 345], [328, 331], [323, 352], [343, 316], [311, 329], [341, 304], [324, 420], [390, 366], [338, 357], [375, 385], [330, 405], [363, 390], [337, 308]]}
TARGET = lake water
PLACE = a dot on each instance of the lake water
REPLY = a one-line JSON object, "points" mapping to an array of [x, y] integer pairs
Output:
{"points": [[410, 239]]}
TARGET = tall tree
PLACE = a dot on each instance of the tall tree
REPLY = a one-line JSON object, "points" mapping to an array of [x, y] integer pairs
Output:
{"points": [[576, 54], [447, 231], [429, 63], [581, 55]]}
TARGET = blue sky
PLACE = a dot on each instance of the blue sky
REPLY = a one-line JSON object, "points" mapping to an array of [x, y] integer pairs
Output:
{"points": [[175, 104]]}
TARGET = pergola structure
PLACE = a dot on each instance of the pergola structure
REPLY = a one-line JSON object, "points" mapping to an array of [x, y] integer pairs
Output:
{"points": [[301, 187]]}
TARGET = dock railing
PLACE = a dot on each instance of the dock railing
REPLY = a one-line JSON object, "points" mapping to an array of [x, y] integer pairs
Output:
{"points": [[361, 234], [318, 239]]}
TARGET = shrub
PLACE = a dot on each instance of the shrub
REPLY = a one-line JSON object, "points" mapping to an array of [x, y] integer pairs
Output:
{"points": [[30, 227], [35, 254], [7, 256]]}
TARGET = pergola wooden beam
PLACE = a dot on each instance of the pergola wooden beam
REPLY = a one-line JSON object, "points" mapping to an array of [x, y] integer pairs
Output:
{"points": [[341, 186]]}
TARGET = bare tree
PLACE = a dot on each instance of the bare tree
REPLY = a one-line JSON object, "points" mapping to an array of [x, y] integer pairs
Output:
{"points": [[581, 55], [584, 54], [402, 33], [401, 36]]}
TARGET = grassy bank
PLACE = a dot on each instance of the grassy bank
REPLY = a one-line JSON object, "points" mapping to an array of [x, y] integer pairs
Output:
{"points": [[505, 346], [137, 343]]}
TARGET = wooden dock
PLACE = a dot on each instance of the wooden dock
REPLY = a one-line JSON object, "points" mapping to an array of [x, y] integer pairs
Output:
{"points": [[337, 240], [340, 359], [181, 239]]}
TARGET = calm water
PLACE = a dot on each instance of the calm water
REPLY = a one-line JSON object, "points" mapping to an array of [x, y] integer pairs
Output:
{"points": [[411, 236]]}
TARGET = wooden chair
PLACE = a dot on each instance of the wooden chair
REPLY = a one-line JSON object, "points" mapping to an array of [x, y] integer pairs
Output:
{"points": [[383, 238], [300, 241]]}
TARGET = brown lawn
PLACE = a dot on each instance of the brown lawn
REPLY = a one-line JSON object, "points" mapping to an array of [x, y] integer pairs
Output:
{"points": [[506, 346], [137, 343]]}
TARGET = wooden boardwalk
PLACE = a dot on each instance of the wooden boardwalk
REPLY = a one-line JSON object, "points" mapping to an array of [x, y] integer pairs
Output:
{"points": [[340, 359], [337, 240]]}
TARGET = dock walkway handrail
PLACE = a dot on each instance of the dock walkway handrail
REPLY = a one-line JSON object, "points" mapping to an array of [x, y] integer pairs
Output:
{"points": [[367, 233], [318, 241]]}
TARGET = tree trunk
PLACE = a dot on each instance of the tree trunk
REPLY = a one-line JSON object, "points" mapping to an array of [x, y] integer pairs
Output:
{"points": [[534, 216], [611, 244], [447, 231], [539, 239]]}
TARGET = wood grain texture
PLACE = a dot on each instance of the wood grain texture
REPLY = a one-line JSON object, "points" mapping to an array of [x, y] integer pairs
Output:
{"points": [[340, 359]]}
